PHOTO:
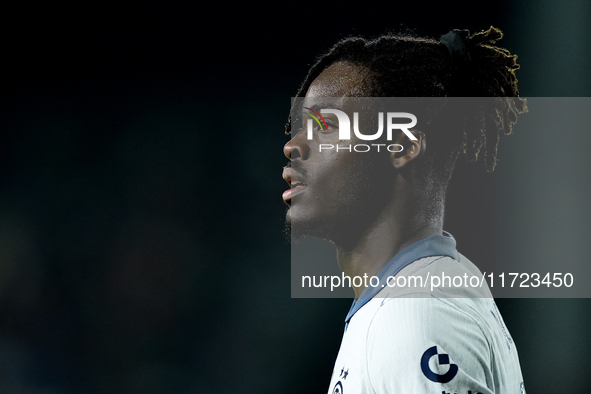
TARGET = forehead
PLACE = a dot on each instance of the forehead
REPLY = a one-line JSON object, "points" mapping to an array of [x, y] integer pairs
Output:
{"points": [[341, 79]]}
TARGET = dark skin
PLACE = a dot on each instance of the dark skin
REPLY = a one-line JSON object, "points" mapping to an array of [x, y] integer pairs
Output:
{"points": [[365, 203]]}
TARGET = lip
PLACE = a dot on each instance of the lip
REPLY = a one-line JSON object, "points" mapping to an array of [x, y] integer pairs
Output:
{"points": [[295, 182]]}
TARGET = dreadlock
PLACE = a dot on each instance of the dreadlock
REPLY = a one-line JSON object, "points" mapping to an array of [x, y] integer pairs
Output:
{"points": [[402, 65]]}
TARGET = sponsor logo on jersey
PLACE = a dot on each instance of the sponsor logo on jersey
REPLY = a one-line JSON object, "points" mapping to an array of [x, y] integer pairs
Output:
{"points": [[442, 359]]}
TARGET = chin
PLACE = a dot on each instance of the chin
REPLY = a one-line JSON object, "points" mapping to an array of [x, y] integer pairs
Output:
{"points": [[297, 228]]}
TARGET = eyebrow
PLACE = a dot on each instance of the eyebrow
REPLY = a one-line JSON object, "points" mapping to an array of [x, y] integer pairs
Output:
{"points": [[319, 106], [324, 105]]}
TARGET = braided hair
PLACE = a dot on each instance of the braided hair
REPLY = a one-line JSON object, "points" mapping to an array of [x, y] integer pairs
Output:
{"points": [[403, 65]]}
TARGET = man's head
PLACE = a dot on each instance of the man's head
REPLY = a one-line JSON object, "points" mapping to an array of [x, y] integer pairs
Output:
{"points": [[344, 190]]}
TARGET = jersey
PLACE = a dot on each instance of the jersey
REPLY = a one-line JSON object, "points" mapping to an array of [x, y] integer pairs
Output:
{"points": [[423, 340]]}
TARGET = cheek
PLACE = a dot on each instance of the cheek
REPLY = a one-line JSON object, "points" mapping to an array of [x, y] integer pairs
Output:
{"points": [[350, 181], [367, 181]]}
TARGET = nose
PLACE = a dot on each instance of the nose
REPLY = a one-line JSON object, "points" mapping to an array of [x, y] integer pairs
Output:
{"points": [[296, 148], [288, 149]]}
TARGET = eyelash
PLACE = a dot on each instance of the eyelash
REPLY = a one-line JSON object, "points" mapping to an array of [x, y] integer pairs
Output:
{"points": [[330, 125]]}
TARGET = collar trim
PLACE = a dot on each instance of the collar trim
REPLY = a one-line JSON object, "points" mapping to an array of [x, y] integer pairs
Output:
{"points": [[435, 245]]}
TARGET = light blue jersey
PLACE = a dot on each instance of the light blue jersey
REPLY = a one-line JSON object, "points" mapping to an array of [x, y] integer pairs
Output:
{"points": [[416, 339]]}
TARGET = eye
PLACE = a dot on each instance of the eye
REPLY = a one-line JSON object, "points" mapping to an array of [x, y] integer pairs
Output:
{"points": [[324, 127], [331, 124], [317, 124]]}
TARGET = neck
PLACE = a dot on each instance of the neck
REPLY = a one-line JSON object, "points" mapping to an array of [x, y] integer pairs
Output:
{"points": [[399, 225]]}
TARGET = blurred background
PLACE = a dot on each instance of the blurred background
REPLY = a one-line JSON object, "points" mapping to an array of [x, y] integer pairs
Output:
{"points": [[141, 219]]}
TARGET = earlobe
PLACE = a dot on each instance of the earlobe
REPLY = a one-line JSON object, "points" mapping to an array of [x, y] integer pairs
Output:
{"points": [[410, 149]]}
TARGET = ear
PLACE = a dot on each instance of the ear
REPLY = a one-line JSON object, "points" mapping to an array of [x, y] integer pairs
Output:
{"points": [[409, 150]]}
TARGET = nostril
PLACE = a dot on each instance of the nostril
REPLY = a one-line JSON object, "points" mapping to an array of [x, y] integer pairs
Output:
{"points": [[296, 150]]}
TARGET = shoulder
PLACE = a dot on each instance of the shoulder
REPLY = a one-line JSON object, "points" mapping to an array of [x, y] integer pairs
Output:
{"points": [[438, 277], [427, 317], [430, 342]]}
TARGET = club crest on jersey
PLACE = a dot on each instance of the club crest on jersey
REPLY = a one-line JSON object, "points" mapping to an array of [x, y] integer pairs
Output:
{"points": [[442, 359]]}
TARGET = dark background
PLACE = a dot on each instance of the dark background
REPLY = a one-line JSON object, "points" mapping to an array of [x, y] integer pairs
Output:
{"points": [[141, 243]]}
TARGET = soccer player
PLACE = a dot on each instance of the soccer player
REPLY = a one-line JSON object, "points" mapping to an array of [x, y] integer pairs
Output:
{"points": [[384, 211]]}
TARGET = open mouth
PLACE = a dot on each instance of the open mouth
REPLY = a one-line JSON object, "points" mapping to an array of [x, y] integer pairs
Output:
{"points": [[296, 188]]}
